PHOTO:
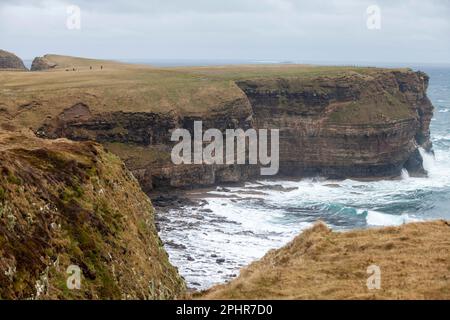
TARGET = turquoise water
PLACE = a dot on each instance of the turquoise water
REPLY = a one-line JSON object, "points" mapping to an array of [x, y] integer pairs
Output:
{"points": [[240, 224]]}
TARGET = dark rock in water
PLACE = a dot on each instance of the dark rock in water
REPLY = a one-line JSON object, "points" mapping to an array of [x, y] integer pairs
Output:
{"points": [[414, 165], [220, 260], [189, 258], [165, 200], [206, 210], [214, 255], [42, 63], [9, 60], [160, 219], [172, 201], [222, 189], [175, 245], [332, 185]]}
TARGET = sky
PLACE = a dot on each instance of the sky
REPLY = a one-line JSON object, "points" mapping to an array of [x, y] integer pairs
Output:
{"points": [[410, 31]]}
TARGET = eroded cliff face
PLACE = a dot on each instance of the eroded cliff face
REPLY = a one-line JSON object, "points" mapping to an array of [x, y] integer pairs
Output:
{"points": [[360, 125], [350, 126], [66, 203]]}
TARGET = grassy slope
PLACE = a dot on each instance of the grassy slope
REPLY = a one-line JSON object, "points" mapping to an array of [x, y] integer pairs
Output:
{"points": [[64, 203], [26, 99], [321, 264]]}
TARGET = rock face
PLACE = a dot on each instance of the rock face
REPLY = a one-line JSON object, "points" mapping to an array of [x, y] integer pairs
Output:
{"points": [[65, 203], [351, 125], [42, 63], [9, 60]]}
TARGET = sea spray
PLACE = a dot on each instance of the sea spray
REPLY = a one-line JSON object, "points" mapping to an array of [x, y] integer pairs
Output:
{"points": [[428, 160], [405, 174]]}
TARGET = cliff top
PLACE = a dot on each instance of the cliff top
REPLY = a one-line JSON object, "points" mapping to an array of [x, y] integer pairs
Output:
{"points": [[321, 264], [27, 99]]}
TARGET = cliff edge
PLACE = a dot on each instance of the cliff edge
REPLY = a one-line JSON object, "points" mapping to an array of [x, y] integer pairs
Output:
{"points": [[411, 262], [66, 203]]}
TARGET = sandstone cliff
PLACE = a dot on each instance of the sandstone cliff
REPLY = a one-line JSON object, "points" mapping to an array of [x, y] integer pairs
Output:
{"points": [[335, 122], [42, 63], [412, 259], [66, 203], [9, 60]]}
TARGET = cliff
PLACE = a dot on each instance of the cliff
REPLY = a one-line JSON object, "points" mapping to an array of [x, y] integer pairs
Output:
{"points": [[413, 263], [10, 61], [65, 203], [337, 122], [42, 63]]}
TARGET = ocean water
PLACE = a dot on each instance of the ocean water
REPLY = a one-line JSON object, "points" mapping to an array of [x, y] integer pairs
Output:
{"points": [[237, 225]]}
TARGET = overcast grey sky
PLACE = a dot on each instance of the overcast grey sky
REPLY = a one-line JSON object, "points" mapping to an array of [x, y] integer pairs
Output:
{"points": [[320, 30]]}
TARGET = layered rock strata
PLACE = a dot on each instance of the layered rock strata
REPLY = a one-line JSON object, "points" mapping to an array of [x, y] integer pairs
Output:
{"points": [[354, 125]]}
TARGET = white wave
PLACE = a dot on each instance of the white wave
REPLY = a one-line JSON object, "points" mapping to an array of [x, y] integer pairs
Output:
{"points": [[428, 160], [375, 218], [440, 137], [443, 110], [405, 174]]}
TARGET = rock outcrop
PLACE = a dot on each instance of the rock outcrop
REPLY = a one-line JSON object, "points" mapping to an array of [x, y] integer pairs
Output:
{"points": [[10, 61], [350, 126], [42, 63], [65, 203], [412, 261]]}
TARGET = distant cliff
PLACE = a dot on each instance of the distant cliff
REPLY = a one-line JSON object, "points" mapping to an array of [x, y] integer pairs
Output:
{"points": [[9, 60], [335, 122], [66, 203], [349, 126]]}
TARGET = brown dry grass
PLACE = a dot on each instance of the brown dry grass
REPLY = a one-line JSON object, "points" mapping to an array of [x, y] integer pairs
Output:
{"points": [[321, 264]]}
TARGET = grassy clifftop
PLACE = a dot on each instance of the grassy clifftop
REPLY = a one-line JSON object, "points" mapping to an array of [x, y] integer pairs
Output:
{"points": [[27, 99], [414, 261], [64, 203]]}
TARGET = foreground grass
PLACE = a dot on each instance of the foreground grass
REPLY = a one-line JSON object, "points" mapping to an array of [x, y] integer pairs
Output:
{"points": [[414, 260]]}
